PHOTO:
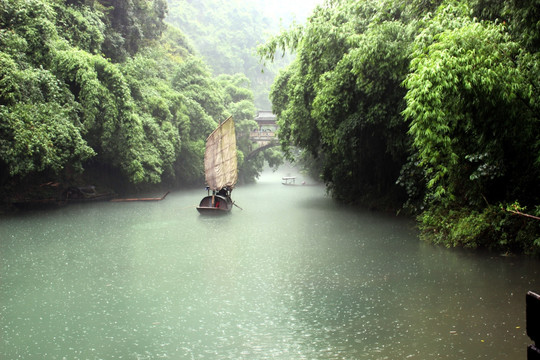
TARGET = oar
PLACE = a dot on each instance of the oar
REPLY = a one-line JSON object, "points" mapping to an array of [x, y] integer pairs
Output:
{"points": [[237, 206]]}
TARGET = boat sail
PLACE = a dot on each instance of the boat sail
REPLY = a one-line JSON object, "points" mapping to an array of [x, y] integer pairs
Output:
{"points": [[220, 169]]}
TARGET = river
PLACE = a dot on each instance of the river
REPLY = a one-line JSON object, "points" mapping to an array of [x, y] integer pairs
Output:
{"points": [[291, 276]]}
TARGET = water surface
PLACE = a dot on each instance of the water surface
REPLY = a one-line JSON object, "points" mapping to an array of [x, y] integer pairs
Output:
{"points": [[291, 276]]}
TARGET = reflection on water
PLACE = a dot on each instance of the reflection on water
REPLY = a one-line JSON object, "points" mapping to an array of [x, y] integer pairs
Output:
{"points": [[292, 276]]}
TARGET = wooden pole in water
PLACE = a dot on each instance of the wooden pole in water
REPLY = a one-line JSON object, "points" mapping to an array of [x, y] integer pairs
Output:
{"points": [[141, 199]]}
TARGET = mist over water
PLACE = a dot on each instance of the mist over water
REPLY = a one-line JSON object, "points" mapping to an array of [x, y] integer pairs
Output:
{"points": [[291, 276]]}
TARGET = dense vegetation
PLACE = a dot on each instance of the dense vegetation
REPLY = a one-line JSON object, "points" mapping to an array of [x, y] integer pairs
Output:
{"points": [[432, 104], [89, 88], [429, 105]]}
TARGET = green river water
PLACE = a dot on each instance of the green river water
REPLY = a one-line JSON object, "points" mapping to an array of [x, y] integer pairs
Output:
{"points": [[291, 276]]}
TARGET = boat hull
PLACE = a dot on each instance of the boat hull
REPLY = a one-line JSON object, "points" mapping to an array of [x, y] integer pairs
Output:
{"points": [[214, 205]]}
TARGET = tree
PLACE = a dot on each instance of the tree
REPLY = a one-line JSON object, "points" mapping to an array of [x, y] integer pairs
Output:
{"points": [[132, 24], [39, 131], [472, 102], [342, 98], [445, 104], [482, 94], [143, 114]]}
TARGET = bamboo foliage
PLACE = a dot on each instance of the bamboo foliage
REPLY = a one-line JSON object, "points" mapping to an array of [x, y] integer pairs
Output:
{"points": [[438, 97]]}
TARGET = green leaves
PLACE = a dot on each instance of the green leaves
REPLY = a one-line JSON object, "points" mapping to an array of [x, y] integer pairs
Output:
{"points": [[342, 99], [62, 102], [40, 137], [422, 93], [466, 84], [33, 23], [82, 27], [39, 131]]}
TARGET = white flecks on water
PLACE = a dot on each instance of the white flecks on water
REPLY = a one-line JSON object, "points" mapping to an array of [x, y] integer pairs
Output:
{"points": [[292, 276]]}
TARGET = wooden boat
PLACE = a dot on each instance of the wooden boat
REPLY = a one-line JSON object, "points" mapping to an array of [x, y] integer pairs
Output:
{"points": [[220, 169], [291, 181], [215, 204], [288, 180]]}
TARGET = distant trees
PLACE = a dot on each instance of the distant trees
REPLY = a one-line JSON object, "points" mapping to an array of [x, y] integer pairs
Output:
{"points": [[226, 35], [425, 96]]}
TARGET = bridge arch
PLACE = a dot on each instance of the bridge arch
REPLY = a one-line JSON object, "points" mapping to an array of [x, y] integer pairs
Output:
{"points": [[270, 144]]}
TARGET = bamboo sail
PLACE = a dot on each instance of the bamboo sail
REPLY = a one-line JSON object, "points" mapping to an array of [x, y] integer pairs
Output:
{"points": [[220, 164]]}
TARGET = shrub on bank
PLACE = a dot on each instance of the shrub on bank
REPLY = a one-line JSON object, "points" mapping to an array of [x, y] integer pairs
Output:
{"points": [[493, 228]]}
